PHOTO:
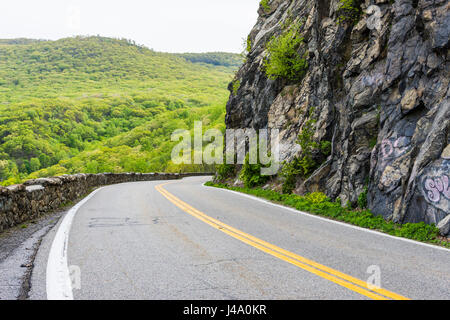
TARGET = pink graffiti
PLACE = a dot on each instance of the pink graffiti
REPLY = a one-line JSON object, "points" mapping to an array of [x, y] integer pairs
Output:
{"points": [[437, 186], [398, 147]]}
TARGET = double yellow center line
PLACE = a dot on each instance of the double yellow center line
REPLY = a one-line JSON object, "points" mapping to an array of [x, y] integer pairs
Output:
{"points": [[325, 272]]}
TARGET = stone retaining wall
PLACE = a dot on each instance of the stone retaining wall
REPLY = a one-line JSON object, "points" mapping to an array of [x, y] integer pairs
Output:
{"points": [[34, 198]]}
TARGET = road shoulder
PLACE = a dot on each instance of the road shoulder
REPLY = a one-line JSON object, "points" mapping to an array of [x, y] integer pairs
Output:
{"points": [[18, 249]]}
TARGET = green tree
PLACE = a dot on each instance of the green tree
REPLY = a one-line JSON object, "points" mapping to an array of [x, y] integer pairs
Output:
{"points": [[35, 164]]}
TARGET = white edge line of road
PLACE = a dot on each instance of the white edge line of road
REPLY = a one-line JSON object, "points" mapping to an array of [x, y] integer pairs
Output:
{"points": [[58, 281], [329, 220]]}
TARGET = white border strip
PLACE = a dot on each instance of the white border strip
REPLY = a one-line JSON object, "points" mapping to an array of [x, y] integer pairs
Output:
{"points": [[329, 220], [58, 282]]}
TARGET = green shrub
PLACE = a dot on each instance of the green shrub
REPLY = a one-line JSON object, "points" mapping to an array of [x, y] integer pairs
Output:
{"points": [[236, 86], [307, 164], [349, 11], [317, 197], [304, 165], [251, 174], [225, 171], [284, 60], [265, 5], [373, 142], [418, 231], [305, 140], [348, 205], [325, 147], [305, 137], [289, 172], [362, 199], [249, 44]]}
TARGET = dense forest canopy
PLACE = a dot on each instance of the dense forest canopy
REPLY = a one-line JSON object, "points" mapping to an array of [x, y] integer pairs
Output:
{"points": [[93, 104], [214, 58]]}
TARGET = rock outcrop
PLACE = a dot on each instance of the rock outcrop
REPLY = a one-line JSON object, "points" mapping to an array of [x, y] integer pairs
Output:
{"points": [[378, 90]]}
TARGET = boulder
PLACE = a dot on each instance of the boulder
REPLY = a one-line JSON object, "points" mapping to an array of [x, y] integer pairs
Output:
{"points": [[444, 227]]}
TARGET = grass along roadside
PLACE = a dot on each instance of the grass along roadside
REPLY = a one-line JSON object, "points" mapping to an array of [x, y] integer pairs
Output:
{"points": [[318, 204]]}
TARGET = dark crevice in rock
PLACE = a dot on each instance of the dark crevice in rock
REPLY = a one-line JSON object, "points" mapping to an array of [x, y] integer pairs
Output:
{"points": [[323, 8]]}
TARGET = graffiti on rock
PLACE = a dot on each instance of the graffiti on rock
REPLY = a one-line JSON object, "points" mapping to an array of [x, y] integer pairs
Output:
{"points": [[434, 184], [437, 187], [394, 148], [389, 151]]}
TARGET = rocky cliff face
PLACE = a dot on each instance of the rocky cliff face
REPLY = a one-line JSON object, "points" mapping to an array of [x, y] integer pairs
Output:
{"points": [[378, 90]]}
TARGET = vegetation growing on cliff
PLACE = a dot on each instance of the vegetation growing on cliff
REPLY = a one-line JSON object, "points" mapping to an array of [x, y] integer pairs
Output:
{"points": [[349, 11], [265, 5], [251, 174], [305, 164], [285, 59], [225, 171], [236, 84], [248, 44], [362, 199], [98, 104]]}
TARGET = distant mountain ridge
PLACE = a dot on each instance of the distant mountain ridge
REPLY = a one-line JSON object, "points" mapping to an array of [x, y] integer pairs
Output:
{"points": [[215, 58], [95, 104], [19, 41], [80, 60]]}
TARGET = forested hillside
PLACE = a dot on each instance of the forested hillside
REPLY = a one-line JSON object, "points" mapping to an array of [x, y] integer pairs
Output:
{"points": [[92, 104], [215, 58]]}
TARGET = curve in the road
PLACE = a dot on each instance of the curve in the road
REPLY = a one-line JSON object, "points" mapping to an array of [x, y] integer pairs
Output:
{"points": [[320, 270], [168, 247]]}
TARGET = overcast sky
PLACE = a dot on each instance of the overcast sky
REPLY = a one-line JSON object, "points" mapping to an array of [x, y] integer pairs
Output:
{"points": [[164, 25]]}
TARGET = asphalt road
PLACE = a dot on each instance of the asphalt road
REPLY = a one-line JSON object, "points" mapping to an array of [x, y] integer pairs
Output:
{"points": [[182, 240]]}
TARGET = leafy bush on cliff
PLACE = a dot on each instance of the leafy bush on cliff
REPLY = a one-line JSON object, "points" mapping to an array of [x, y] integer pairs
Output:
{"points": [[362, 199], [349, 11], [236, 85], [251, 174], [265, 5], [248, 45], [225, 171], [284, 60], [305, 164]]}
